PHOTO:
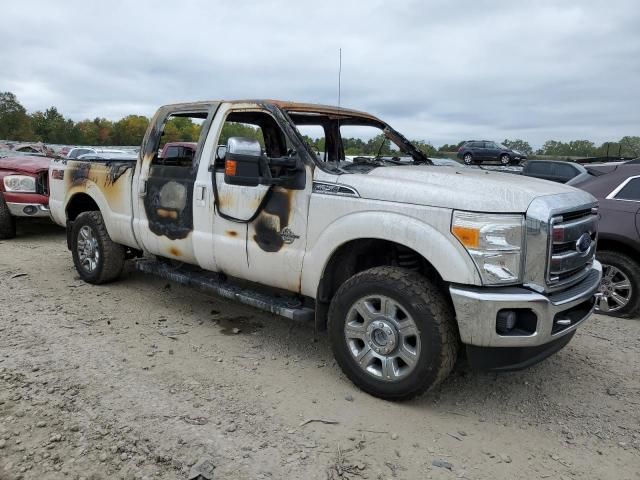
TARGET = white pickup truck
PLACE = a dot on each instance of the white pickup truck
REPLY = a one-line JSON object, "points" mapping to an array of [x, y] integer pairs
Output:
{"points": [[403, 262]]}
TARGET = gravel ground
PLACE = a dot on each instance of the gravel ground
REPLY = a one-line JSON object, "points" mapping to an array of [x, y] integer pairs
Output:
{"points": [[142, 379]]}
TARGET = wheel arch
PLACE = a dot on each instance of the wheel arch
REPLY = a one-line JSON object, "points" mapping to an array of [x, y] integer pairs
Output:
{"points": [[614, 243], [374, 242], [82, 200]]}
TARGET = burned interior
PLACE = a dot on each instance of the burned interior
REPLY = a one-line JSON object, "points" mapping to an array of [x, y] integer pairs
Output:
{"points": [[334, 158]]}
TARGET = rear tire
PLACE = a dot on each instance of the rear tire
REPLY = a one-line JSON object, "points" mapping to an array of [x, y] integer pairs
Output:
{"points": [[619, 269], [419, 326], [7, 221], [467, 158], [96, 257]]}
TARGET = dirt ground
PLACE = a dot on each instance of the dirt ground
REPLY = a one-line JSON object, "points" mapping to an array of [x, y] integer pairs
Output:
{"points": [[142, 379]]}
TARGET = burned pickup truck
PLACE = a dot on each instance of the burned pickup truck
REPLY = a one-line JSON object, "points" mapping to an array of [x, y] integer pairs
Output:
{"points": [[404, 263]]}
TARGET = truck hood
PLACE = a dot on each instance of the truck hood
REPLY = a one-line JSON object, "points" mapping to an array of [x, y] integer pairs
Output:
{"points": [[458, 188], [25, 164]]}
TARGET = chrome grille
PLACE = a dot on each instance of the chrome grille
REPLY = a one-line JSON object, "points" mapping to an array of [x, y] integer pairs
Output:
{"points": [[571, 252]]}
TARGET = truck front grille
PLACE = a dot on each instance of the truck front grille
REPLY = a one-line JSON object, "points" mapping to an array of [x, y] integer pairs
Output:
{"points": [[42, 184], [572, 249]]}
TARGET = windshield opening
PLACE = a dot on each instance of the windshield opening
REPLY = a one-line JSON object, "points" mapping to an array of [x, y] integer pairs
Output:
{"points": [[345, 143]]}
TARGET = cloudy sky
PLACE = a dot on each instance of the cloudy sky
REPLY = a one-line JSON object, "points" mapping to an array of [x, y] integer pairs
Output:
{"points": [[440, 71]]}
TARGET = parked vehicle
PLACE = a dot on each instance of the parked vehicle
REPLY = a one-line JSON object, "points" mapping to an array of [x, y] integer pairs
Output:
{"points": [[77, 151], [555, 170], [178, 150], [478, 151], [617, 188], [24, 190], [402, 263]]}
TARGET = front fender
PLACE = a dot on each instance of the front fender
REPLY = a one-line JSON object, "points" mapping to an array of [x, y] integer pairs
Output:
{"points": [[446, 255]]}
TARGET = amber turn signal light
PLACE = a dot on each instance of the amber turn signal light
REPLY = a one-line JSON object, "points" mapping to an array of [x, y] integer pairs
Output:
{"points": [[469, 237], [230, 167]]}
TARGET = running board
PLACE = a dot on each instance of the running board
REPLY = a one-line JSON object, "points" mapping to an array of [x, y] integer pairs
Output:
{"points": [[211, 282]]}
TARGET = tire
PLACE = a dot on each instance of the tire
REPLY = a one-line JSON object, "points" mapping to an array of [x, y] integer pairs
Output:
{"points": [[7, 221], [619, 268], [89, 235], [415, 301], [467, 158], [505, 159]]}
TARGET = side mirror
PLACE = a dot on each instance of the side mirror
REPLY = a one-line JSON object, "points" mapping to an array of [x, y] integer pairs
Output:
{"points": [[243, 162]]}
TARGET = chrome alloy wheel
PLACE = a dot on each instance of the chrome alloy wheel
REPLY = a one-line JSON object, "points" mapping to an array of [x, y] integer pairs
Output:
{"points": [[615, 290], [382, 338], [468, 159], [88, 249]]}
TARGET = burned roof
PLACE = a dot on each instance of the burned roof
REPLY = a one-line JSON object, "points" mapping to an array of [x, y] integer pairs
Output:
{"points": [[289, 106]]}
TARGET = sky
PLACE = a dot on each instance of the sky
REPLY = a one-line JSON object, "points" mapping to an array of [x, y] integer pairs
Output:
{"points": [[440, 71]]}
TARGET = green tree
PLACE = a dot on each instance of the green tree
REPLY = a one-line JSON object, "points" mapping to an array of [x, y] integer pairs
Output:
{"points": [[630, 146], [425, 147], [15, 124], [130, 130], [234, 129], [554, 147], [521, 146]]}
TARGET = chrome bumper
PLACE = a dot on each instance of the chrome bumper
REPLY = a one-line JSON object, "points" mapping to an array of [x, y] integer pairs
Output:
{"points": [[18, 209], [477, 309]]}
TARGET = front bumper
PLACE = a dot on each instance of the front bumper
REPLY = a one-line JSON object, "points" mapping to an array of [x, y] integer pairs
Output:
{"points": [[28, 209], [557, 314]]}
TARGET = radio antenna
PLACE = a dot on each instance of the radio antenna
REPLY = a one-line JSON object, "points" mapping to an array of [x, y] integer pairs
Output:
{"points": [[339, 74]]}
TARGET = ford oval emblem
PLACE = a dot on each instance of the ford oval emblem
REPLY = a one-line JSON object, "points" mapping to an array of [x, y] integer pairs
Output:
{"points": [[584, 243]]}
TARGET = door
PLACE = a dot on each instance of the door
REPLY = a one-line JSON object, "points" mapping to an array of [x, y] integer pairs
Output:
{"points": [[164, 200], [260, 231], [492, 151]]}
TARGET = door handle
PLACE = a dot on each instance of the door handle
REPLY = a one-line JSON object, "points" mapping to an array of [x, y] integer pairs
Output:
{"points": [[200, 192], [142, 188]]}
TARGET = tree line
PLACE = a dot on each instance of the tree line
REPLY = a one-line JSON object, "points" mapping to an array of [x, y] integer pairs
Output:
{"points": [[51, 126]]}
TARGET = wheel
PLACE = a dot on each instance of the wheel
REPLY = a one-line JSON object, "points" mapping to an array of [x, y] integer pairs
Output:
{"points": [[392, 332], [505, 159], [7, 221], [620, 287], [467, 159], [96, 257]]}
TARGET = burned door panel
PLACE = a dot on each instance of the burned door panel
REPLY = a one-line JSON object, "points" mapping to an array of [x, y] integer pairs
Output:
{"points": [[168, 202]]}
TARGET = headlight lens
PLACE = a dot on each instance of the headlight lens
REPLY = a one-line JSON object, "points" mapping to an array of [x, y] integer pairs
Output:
{"points": [[19, 183], [495, 243]]}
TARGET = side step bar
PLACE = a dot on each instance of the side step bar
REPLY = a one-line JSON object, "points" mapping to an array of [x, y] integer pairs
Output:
{"points": [[211, 282]]}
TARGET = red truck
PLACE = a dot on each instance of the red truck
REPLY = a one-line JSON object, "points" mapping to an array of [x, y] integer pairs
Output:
{"points": [[24, 190]]}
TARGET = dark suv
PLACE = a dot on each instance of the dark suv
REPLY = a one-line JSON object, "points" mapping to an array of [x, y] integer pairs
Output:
{"points": [[617, 188], [478, 151]]}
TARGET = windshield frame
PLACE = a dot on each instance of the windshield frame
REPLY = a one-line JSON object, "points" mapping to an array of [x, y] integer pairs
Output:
{"points": [[294, 116]]}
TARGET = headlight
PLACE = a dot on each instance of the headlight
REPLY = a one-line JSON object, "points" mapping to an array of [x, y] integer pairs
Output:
{"points": [[495, 243], [19, 183]]}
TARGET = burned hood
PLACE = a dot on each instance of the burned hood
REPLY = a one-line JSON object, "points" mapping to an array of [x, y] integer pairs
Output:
{"points": [[25, 164], [458, 188]]}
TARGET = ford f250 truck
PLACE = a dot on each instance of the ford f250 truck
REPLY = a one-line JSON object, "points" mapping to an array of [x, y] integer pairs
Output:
{"points": [[404, 263]]}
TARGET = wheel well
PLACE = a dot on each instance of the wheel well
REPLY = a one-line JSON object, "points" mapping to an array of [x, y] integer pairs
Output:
{"points": [[617, 246], [359, 255], [78, 204]]}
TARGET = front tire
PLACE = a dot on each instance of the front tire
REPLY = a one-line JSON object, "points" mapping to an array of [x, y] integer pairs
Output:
{"points": [[505, 159], [7, 221], [96, 257], [392, 332], [620, 287]]}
